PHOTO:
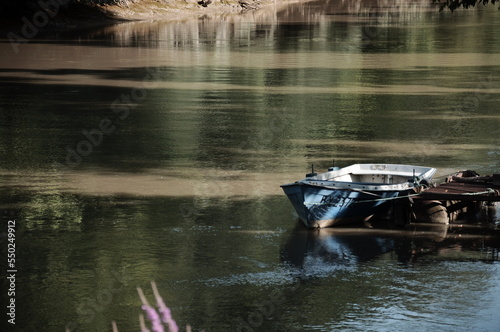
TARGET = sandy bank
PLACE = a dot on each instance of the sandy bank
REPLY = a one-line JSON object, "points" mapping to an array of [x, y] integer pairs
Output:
{"points": [[181, 10]]}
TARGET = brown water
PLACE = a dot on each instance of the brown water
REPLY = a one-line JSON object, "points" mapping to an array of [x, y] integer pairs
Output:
{"points": [[154, 151]]}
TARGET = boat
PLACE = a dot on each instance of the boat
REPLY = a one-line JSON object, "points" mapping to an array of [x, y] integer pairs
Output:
{"points": [[353, 194]]}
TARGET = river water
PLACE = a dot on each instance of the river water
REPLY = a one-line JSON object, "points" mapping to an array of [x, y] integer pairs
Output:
{"points": [[154, 151]]}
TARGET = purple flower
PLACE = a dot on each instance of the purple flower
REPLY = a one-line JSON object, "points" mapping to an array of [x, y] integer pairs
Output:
{"points": [[166, 315], [153, 317]]}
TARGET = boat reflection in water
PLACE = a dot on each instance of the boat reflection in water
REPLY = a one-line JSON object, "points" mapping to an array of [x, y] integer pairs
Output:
{"points": [[333, 248]]}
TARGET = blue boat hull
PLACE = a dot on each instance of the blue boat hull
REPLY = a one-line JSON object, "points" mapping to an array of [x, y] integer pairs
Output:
{"points": [[321, 207]]}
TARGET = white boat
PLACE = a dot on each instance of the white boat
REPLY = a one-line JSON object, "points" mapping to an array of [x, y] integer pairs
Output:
{"points": [[353, 194]]}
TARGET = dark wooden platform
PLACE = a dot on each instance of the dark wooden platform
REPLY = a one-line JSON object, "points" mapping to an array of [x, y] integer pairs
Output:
{"points": [[484, 189]]}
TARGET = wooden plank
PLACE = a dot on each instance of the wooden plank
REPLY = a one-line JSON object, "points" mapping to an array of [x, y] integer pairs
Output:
{"points": [[478, 179], [465, 191]]}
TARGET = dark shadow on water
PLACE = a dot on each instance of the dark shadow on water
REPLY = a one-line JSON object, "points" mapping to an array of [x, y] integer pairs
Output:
{"points": [[413, 244]]}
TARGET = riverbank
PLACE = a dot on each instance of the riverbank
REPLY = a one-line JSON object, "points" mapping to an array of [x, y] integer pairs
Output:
{"points": [[85, 14], [179, 10]]}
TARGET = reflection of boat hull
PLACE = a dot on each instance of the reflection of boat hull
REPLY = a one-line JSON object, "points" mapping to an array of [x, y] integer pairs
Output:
{"points": [[328, 249], [352, 194], [321, 207]]}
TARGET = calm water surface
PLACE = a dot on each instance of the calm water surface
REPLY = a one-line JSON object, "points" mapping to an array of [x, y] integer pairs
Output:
{"points": [[155, 151]]}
